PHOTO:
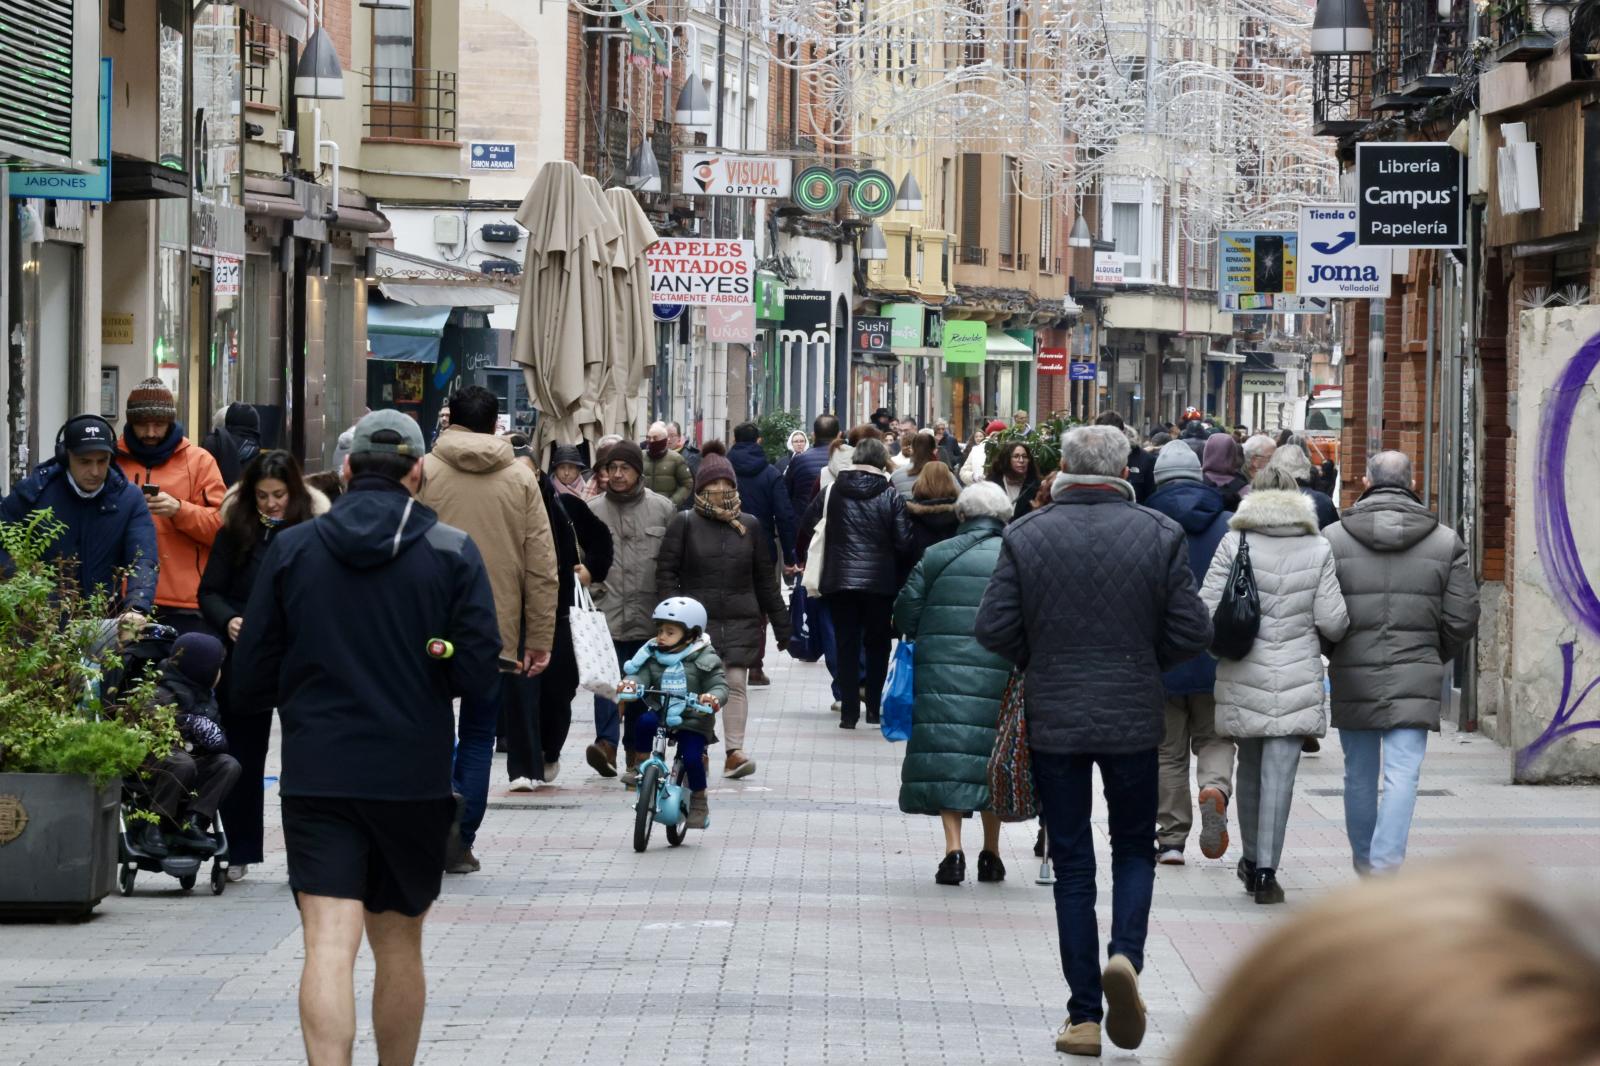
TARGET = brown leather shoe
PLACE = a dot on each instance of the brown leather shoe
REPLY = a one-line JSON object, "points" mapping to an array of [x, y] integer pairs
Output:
{"points": [[738, 765], [759, 678], [602, 755]]}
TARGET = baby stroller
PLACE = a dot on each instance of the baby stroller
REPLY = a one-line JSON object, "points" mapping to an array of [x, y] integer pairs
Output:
{"points": [[140, 658]]}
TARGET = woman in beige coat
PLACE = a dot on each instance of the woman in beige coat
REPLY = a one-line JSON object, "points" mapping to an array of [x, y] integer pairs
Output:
{"points": [[1274, 697]]}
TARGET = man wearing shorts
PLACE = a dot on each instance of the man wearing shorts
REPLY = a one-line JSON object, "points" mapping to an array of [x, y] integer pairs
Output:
{"points": [[363, 627]]}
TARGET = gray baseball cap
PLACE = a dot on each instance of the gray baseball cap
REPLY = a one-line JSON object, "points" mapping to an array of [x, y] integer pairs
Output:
{"points": [[391, 421]]}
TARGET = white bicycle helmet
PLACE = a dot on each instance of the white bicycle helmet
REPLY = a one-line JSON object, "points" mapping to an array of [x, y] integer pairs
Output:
{"points": [[690, 614]]}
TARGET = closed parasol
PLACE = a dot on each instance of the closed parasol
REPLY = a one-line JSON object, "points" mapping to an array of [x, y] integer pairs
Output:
{"points": [[635, 334]]}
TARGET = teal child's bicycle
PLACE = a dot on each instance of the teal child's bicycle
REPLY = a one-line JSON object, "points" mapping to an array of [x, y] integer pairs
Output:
{"points": [[662, 794]]}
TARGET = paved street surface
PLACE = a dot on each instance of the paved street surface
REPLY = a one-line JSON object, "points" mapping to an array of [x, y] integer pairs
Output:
{"points": [[805, 927]]}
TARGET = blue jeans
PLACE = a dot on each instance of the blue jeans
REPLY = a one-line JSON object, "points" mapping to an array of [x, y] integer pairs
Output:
{"points": [[1378, 828], [691, 746], [607, 721], [475, 758], [1064, 784]]}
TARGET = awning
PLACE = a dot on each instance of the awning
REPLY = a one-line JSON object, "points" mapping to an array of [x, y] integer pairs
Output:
{"points": [[1002, 348], [645, 39], [404, 333], [287, 15], [446, 294], [1215, 356]]}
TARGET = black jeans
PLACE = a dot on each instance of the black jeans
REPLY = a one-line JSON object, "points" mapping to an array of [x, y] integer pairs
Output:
{"points": [[862, 621], [558, 685], [242, 809], [1066, 800], [208, 777], [519, 709]]}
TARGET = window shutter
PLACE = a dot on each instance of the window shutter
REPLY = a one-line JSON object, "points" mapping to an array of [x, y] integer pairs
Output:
{"points": [[971, 199], [49, 83], [1008, 207]]}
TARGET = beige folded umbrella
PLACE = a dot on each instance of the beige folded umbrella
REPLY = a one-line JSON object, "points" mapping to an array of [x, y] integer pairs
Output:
{"points": [[636, 349]]}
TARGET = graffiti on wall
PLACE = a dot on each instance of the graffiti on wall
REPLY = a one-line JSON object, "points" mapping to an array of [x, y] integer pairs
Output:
{"points": [[1558, 546]]}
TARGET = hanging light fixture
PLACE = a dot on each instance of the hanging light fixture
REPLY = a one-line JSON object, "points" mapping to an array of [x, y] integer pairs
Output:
{"points": [[644, 171], [1341, 27], [1080, 237], [910, 196], [318, 75], [873, 247], [694, 108]]}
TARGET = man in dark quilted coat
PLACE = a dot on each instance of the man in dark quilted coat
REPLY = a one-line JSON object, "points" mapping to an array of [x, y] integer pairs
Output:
{"points": [[1094, 598]]}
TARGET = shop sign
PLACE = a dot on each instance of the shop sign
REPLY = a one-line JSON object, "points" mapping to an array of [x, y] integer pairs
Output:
{"points": [[702, 273], [1268, 303], [906, 330], [1266, 381], [226, 275], [1252, 263], [1108, 268], [807, 317], [1411, 195], [873, 333], [70, 184], [818, 190], [1085, 372], [769, 296], [487, 156], [116, 327], [965, 340], [1331, 262], [933, 330], [760, 177], [1051, 361], [731, 325]]}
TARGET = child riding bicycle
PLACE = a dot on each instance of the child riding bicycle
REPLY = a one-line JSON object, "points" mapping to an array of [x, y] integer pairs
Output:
{"points": [[680, 661]]}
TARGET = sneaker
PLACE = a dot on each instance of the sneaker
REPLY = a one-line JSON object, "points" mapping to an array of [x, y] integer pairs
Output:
{"points": [[521, 784], [1170, 857], [148, 839], [1080, 1039], [952, 869], [1124, 1021], [1265, 886], [699, 810], [1311, 746], [738, 765], [758, 678], [837, 707], [552, 770], [1213, 823], [463, 863], [236, 873], [630, 776], [990, 868], [602, 755]]}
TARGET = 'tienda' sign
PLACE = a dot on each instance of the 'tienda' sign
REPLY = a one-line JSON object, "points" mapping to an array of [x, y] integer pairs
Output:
{"points": [[699, 272], [1410, 195]]}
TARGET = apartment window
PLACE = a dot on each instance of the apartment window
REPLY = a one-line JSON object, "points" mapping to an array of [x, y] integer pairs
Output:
{"points": [[944, 262], [1047, 232], [1126, 226], [1013, 50], [944, 195], [394, 54], [972, 49], [922, 259], [1010, 210], [971, 207]]}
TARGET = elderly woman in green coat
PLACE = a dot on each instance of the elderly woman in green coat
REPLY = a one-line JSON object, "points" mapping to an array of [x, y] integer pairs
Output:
{"points": [[957, 683]]}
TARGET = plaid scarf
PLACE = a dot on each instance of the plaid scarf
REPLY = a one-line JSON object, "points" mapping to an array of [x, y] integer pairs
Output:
{"points": [[728, 511]]}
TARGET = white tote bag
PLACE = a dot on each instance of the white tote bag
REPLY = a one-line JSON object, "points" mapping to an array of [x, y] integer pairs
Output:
{"points": [[811, 579], [592, 648]]}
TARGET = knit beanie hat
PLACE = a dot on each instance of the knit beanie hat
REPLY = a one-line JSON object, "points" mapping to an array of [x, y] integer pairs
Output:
{"points": [[1176, 461], [151, 401], [713, 468], [199, 657], [626, 451]]}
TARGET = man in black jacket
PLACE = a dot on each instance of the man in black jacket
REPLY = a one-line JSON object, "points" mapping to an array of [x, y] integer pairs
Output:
{"points": [[1141, 464], [1095, 599], [363, 626], [805, 470]]}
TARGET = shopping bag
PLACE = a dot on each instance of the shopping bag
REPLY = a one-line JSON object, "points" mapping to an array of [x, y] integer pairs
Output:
{"points": [[592, 648], [805, 639], [811, 578], [1011, 793], [898, 694]]}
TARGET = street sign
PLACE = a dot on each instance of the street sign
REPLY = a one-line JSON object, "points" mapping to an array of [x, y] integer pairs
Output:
{"points": [[1331, 262], [486, 156], [760, 177], [873, 333], [1255, 263], [731, 325], [1108, 268], [1411, 195], [1083, 372], [226, 273], [666, 312], [1051, 361], [692, 270]]}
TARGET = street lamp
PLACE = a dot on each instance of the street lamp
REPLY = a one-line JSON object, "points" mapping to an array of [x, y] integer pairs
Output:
{"points": [[694, 109], [318, 75], [910, 197], [873, 247], [1079, 237], [1341, 27], [644, 171]]}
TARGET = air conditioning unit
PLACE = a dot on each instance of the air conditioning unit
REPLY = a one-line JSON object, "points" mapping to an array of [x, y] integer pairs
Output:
{"points": [[1553, 17], [500, 232], [1518, 170], [286, 142]]}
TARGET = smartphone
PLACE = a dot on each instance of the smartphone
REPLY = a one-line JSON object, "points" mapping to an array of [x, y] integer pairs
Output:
{"points": [[151, 490], [1269, 264]]}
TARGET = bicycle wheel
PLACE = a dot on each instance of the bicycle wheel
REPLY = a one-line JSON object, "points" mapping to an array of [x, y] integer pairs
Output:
{"points": [[677, 833], [644, 809]]}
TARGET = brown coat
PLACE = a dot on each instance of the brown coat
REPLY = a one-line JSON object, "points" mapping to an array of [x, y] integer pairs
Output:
{"points": [[475, 484], [731, 575]]}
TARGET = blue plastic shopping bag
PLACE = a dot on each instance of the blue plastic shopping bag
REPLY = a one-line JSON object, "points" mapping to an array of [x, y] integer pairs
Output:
{"points": [[898, 694]]}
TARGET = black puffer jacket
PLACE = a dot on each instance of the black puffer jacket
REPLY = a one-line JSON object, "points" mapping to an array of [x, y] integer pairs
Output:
{"points": [[867, 535], [1095, 598], [932, 521], [731, 574]]}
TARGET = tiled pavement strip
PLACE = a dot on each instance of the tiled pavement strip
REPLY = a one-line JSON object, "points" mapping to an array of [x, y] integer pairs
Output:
{"points": [[804, 927]]}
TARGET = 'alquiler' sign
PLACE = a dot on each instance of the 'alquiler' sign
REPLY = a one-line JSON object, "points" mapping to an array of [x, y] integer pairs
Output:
{"points": [[1410, 196]]}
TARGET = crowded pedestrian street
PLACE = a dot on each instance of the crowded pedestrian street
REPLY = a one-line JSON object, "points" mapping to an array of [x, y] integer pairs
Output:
{"points": [[804, 927]]}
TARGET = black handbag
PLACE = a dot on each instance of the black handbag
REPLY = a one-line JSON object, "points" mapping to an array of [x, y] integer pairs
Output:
{"points": [[1237, 619]]}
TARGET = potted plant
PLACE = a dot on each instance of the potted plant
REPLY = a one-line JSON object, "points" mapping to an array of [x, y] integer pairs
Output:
{"points": [[63, 752]]}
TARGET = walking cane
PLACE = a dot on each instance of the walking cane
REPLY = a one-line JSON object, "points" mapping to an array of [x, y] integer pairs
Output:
{"points": [[1047, 873]]}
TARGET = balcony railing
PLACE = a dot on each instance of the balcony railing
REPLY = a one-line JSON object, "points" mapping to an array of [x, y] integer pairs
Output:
{"points": [[1339, 90], [1530, 29], [410, 104], [973, 255], [1417, 51]]}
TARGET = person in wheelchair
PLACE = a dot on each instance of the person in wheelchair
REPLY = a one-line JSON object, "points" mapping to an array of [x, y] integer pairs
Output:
{"points": [[680, 660], [185, 787]]}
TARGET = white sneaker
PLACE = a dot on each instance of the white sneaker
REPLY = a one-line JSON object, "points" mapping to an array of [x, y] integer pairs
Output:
{"points": [[552, 770], [522, 784], [236, 873], [1170, 857]]}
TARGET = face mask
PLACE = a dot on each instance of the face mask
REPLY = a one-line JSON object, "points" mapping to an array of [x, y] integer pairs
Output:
{"points": [[656, 448]]}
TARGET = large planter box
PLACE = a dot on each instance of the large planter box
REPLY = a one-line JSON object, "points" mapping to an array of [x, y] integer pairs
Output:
{"points": [[63, 861]]}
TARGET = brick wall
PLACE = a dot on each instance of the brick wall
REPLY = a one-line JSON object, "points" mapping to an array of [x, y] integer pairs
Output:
{"points": [[336, 17], [576, 88]]}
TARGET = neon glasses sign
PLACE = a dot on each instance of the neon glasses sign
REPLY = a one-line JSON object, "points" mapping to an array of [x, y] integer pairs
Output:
{"points": [[818, 190]]}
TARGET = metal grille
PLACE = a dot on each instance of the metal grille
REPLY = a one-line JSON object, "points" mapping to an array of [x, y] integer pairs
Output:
{"points": [[411, 103], [1339, 94], [36, 74]]}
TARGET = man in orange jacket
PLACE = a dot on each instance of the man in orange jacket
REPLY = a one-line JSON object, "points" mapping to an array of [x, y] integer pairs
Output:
{"points": [[184, 489]]}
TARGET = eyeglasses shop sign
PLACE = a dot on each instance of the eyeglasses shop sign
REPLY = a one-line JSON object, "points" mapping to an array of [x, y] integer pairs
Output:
{"points": [[702, 273], [1411, 196]]}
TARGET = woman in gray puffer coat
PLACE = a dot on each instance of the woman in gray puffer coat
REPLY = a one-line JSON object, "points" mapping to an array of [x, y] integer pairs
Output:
{"points": [[1274, 697]]}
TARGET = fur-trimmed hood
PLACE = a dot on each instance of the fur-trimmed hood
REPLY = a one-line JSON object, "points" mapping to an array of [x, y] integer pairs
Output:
{"points": [[930, 507], [1276, 513], [320, 504]]}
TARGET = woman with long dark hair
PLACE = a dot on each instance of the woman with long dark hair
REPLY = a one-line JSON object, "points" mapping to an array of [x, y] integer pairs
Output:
{"points": [[271, 496], [923, 452], [1015, 471]]}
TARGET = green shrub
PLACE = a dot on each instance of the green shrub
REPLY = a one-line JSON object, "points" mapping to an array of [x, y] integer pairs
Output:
{"points": [[775, 429], [1043, 441]]}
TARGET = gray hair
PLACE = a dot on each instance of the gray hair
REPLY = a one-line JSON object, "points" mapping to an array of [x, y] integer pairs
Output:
{"points": [[1390, 470], [984, 500], [607, 441], [1100, 451], [1274, 477], [871, 452], [1259, 444], [1292, 461]]}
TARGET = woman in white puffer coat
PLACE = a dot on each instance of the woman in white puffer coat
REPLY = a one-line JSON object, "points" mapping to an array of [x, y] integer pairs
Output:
{"points": [[1274, 697]]}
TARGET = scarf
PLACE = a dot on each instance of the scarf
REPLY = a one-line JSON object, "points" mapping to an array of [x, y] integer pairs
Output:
{"points": [[656, 448], [1065, 483], [625, 497], [581, 487], [728, 511], [153, 457], [269, 521], [674, 679]]}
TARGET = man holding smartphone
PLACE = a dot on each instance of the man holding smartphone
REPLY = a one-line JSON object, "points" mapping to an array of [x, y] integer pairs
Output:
{"points": [[183, 488]]}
